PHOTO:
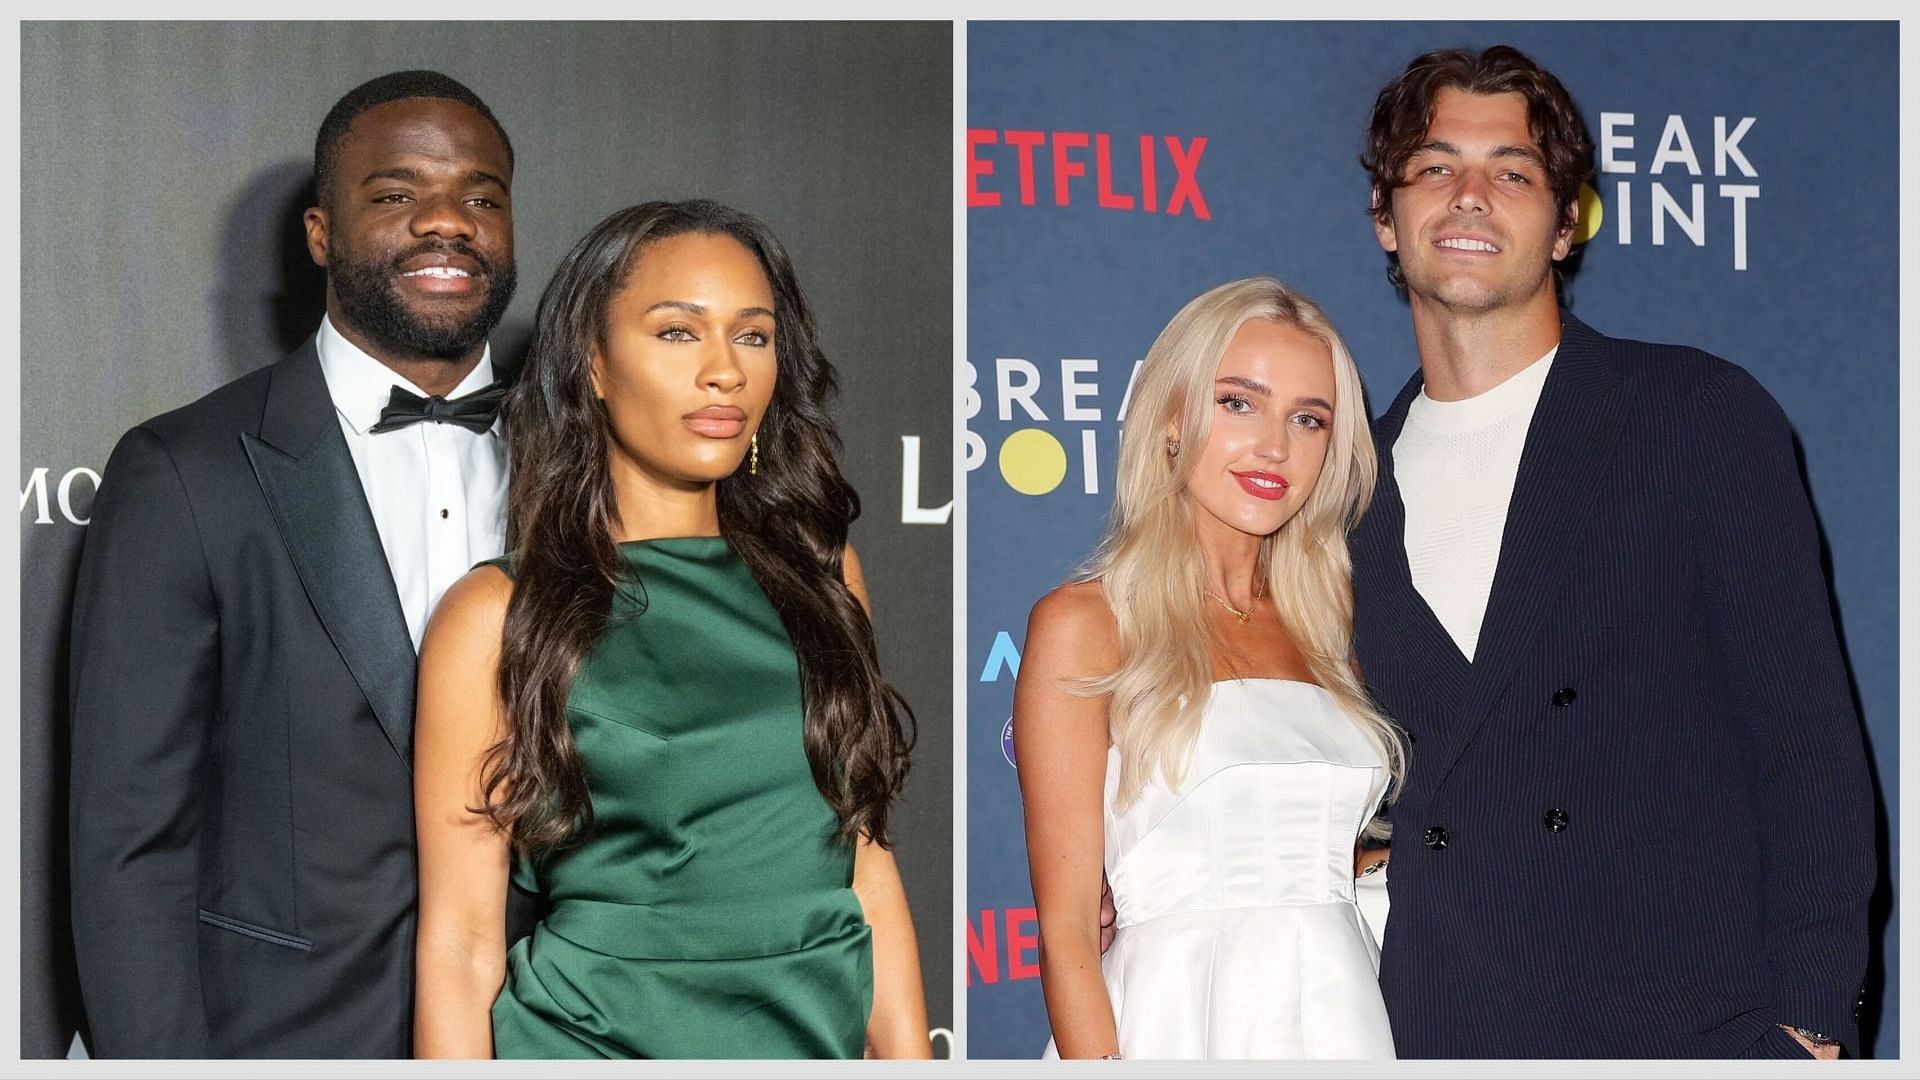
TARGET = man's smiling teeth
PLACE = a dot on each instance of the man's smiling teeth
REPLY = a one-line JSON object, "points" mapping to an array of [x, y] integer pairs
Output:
{"points": [[1462, 244], [436, 271]]}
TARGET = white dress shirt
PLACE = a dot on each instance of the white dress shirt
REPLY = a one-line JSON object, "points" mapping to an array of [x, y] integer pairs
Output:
{"points": [[1455, 463], [438, 491]]}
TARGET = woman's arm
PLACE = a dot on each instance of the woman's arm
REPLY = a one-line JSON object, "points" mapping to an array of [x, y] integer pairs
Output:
{"points": [[1367, 860], [461, 953], [1060, 742], [855, 577], [897, 1027]]}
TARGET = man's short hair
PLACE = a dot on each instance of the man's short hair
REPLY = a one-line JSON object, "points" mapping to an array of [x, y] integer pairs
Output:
{"points": [[1404, 110], [397, 86]]}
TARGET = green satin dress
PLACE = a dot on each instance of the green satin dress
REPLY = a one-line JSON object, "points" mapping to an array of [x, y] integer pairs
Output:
{"points": [[709, 913]]}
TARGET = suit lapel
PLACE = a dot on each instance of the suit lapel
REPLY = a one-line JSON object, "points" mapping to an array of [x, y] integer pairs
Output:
{"points": [[1385, 536], [1574, 428], [304, 468]]}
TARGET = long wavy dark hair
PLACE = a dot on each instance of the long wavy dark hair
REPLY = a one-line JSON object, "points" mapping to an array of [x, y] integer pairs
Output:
{"points": [[788, 523]]}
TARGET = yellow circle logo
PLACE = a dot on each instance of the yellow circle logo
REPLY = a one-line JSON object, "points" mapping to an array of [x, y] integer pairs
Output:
{"points": [[1033, 461], [1591, 215]]}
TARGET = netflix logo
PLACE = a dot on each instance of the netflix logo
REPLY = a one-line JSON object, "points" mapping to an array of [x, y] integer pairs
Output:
{"points": [[1012, 936], [1082, 167]]}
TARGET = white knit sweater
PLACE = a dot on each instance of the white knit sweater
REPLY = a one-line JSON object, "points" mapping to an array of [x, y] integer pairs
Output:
{"points": [[1455, 463]]}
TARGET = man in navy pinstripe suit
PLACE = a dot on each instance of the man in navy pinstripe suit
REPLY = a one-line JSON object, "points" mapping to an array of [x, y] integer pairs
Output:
{"points": [[1638, 817]]}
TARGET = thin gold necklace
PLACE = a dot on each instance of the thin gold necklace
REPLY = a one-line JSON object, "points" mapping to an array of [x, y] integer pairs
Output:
{"points": [[1259, 592]]}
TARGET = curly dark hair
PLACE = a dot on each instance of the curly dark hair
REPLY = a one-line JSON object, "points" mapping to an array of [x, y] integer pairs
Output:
{"points": [[1404, 109], [788, 523]]}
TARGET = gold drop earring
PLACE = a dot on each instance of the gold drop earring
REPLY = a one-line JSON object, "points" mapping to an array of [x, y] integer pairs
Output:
{"points": [[753, 459]]}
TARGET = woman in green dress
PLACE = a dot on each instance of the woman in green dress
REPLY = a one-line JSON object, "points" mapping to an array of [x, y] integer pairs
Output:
{"points": [[663, 711]]}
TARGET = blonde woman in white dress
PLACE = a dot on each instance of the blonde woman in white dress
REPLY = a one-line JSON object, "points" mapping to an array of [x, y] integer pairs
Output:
{"points": [[1188, 720]]}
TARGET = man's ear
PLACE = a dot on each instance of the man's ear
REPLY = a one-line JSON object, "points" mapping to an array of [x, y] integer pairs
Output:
{"points": [[316, 222], [1383, 221], [1563, 238]]}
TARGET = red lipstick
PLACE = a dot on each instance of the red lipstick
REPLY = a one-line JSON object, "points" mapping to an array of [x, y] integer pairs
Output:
{"points": [[1263, 485]]}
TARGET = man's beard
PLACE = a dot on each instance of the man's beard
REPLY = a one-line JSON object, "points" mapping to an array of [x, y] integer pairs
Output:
{"points": [[370, 299]]}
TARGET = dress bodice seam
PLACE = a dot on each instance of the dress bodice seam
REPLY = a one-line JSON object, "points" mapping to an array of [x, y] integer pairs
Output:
{"points": [[1221, 909], [1191, 789]]}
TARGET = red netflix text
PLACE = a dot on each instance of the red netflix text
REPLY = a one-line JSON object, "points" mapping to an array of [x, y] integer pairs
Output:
{"points": [[1135, 186], [1018, 946]]}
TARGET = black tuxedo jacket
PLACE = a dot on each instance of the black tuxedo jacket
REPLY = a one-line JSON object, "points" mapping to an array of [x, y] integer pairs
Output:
{"points": [[1639, 823], [243, 686]]}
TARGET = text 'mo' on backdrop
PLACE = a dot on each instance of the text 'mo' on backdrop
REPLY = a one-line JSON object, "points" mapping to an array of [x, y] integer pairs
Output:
{"points": [[1745, 203]]}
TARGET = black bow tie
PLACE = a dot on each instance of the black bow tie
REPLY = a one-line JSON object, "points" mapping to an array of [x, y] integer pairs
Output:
{"points": [[474, 411]]}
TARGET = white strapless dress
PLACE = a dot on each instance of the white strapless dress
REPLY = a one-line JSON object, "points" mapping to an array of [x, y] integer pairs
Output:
{"points": [[1238, 935]]}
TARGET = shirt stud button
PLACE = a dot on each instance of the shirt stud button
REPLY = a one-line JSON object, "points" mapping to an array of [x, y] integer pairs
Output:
{"points": [[443, 513]]}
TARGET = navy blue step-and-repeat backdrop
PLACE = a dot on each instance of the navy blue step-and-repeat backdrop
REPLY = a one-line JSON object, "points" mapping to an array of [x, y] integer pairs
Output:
{"points": [[1745, 202]]}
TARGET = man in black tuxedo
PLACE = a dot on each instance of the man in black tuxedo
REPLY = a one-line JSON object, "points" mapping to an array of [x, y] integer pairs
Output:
{"points": [[255, 580], [1638, 819]]}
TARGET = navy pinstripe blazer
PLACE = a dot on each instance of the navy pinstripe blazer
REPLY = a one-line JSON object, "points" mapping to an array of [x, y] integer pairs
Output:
{"points": [[1639, 824]]}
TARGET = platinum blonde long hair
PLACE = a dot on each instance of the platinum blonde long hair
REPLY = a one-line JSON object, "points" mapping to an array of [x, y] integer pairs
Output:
{"points": [[1149, 562]]}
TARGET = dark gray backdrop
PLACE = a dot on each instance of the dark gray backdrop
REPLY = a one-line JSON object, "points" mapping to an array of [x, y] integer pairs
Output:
{"points": [[164, 167]]}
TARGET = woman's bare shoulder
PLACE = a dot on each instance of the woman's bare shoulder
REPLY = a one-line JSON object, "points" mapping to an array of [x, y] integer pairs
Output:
{"points": [[472, 615], [1073, 629], [1077, 605]]}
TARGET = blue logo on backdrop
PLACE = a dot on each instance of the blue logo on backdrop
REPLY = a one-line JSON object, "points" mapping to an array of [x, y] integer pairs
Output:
{"points": [[1002, 658]]}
